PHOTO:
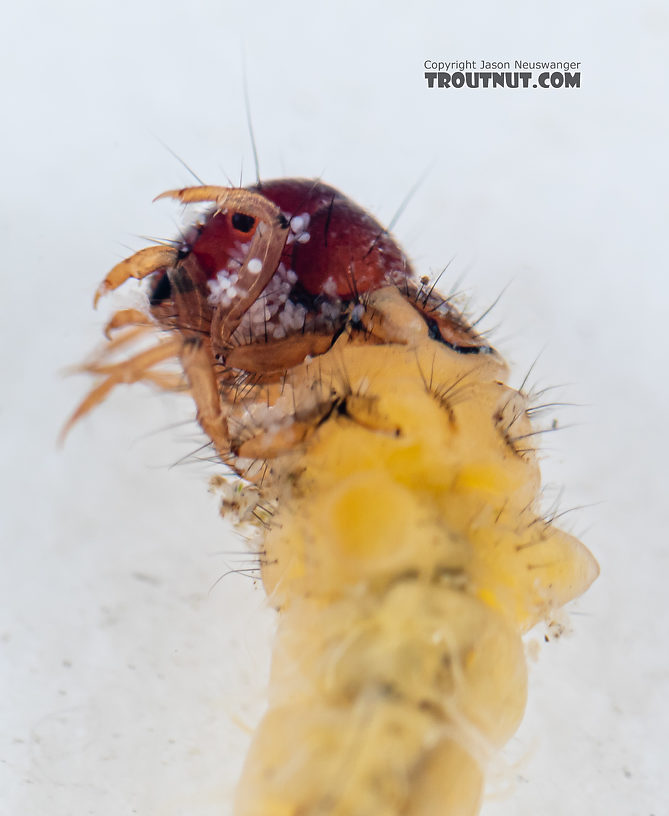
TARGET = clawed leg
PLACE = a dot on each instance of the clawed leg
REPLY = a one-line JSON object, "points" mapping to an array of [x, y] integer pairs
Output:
{"points": [[129, 371], [138, 266], [98, 364], [252, 204], [195, 354], [196, 362], [126, 317]]}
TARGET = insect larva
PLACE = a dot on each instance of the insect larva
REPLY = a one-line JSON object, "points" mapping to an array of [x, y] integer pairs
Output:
{"points": [[394, 473]]}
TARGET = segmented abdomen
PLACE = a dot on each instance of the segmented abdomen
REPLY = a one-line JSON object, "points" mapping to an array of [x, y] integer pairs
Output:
{"points": [[406, 558]]}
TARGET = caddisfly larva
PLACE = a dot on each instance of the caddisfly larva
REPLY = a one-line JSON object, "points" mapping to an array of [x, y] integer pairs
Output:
{"points": [[406, 552]]}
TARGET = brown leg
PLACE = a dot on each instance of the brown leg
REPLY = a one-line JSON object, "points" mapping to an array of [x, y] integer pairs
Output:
{"points": [[126, 317], [138, 266], [197, 365], [128, 371]]}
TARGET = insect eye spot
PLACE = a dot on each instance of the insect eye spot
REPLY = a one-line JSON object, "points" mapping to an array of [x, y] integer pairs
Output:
{"points": [[243, 223], [162, 290]]}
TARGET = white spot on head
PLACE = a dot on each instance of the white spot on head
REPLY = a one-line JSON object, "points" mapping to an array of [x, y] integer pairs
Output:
{"points": [[218, 287], [298, 228], [330, 287], [254, 266], [357, 312], [297, 223]]}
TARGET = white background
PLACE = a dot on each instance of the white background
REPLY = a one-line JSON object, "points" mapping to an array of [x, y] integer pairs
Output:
{"points": [[128, 682]]}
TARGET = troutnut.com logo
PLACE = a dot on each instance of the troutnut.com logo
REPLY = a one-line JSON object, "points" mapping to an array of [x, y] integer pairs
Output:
{"points": [[501, 74]]}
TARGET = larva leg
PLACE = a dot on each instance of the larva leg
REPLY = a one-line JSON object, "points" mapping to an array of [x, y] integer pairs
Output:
{"points": [[166, 380], [196, 361], [261, 358], [126, 317], [269, 445], [243, 201], [129, 371], [138, 266], [120, 340]]}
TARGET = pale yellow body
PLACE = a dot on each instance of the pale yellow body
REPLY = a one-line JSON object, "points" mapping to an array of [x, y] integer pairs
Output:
{"points": [[407, 558]]}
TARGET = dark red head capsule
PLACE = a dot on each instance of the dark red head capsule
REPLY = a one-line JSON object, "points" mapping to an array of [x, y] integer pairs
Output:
{"points": [[290, 258], [334, 248]]}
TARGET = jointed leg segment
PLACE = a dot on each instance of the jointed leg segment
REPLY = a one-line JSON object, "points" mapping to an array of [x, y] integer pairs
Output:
{"points": [[135, 369]]}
